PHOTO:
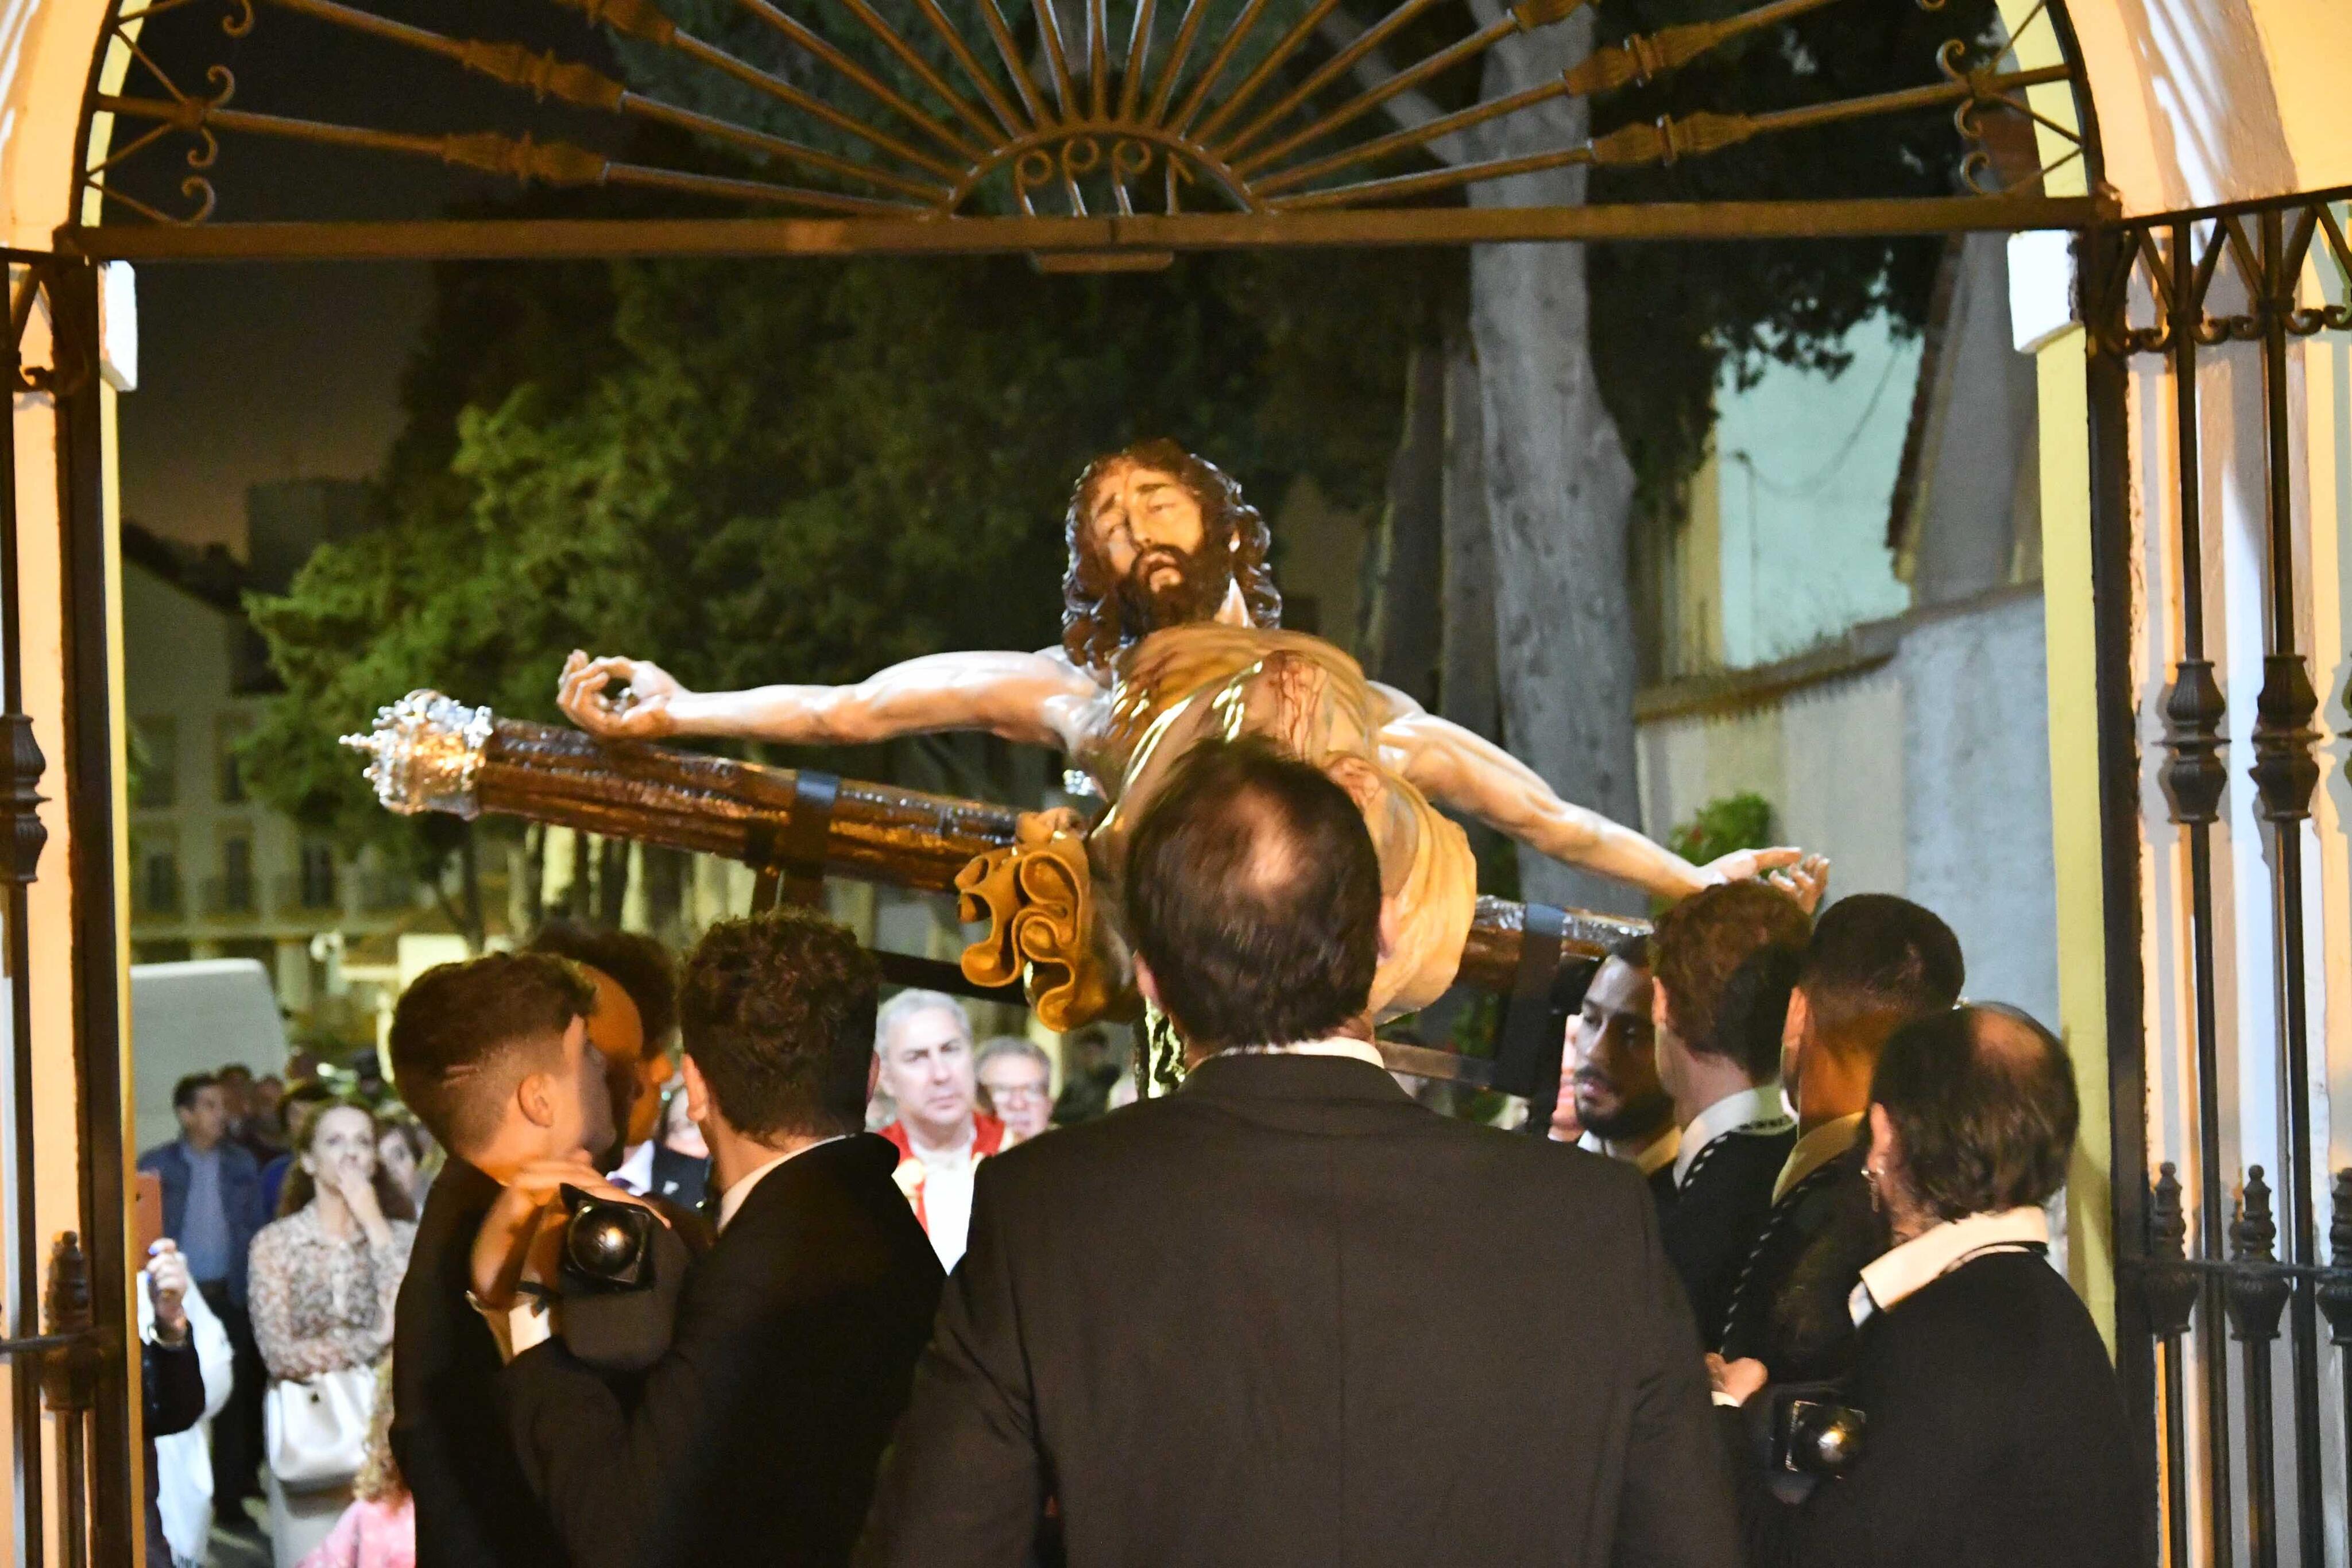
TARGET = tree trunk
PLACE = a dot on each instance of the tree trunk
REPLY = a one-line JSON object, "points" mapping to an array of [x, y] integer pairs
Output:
{"points": [[1466, 681], [1558, 487], [469, 872], [612, 882], [1399, 635]]}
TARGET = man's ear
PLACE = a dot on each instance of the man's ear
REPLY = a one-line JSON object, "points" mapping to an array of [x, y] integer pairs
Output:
{"points": [[535, 1097], [697, 1093], [1793, 1030], [1146, 983]]}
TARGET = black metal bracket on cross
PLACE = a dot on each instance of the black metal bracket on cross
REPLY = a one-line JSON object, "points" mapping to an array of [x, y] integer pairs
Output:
{"points": [[791, 860], [1528, 1042]]}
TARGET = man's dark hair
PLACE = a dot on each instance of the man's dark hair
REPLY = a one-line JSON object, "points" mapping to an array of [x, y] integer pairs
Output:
{"points": [[1707, 940], [1876, 963], [236, 1072], [1094, 629], [1633, 952], [1254, 891], [777, 1012], [638, 965], [185, 1092], [464, 1034], [1982, 1103]]}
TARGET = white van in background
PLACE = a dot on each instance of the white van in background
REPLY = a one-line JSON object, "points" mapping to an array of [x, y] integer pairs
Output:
{"points": [[198, 1017]]}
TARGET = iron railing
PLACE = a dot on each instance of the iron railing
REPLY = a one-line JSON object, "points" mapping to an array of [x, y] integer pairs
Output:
{"points": [[2184, 1293]]}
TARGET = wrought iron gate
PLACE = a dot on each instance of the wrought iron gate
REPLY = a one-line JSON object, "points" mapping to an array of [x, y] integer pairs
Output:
{"points": [[2254, 1273], [66, 1345]]}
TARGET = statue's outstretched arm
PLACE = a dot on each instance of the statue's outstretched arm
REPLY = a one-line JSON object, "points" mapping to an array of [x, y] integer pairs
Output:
{"points": [[1456, 767], [1038, 698]]}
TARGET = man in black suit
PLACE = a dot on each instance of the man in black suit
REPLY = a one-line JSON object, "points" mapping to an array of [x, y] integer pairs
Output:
{"points": [[493, 1056], [1610, 1093], [1991, 1428], [1875, 962], [1726, 959], [755, 1439], [1299, 1319]]}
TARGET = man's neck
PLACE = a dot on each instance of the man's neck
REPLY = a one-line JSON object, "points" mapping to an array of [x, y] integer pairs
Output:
{"points": [[734, 1155], [194, 1146], [955, 1140], [1708, 1081], [1357, 1028], [1627, 1142]]}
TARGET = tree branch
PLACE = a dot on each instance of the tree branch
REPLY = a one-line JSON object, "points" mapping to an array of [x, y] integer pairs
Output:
{"points": [[1410, 110]]}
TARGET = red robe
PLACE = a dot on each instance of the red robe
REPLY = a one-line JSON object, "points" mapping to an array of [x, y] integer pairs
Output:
{"points": [[987, 1139]]}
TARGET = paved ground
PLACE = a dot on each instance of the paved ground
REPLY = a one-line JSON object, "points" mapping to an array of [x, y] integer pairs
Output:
{"points": [[230, 1548]]}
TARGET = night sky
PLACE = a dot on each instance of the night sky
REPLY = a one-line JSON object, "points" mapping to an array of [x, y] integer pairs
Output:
{"points": [[252, 373]]}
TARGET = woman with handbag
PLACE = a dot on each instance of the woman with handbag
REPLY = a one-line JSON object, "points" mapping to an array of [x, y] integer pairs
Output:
{"points": [[323, 1281]]}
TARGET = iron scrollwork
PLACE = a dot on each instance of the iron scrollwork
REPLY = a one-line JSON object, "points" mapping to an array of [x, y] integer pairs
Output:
{"points": [[926, 123]]}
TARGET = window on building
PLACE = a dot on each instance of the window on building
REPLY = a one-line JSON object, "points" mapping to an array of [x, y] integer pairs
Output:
{"points": [[237, 876], [228, 731], [155, 761], [318, 886], [157, 888]]}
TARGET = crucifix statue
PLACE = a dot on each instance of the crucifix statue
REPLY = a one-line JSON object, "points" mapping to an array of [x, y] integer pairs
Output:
{"points": [[1171, 632]]}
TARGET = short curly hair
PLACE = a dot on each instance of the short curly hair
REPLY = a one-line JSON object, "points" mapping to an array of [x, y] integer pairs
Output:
{"points": [[1725, 957], [777, 1012], [1092, 631]]}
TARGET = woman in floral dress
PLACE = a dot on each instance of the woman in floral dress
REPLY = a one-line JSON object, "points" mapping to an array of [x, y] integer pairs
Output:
{"points": [[323, 1281]]}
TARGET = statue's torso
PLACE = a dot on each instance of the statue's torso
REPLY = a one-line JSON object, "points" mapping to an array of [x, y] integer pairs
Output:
{"points": [[1187, 684]]}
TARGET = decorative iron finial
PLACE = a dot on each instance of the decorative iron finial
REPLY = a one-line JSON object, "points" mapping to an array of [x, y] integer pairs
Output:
{"points": [[426, 750], [64, 1304], [2170, 1285], [2256, 1297], [2336, 1290]]}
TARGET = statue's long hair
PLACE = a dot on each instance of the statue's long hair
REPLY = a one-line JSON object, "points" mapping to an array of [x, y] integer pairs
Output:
{"points": [[1093, 631]]}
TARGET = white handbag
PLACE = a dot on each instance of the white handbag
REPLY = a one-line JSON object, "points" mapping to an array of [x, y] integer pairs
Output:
{"points": [[316, 1430]]}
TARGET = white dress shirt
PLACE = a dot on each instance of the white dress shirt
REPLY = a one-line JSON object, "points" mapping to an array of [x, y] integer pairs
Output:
{"points": [[1935, 1252], [635, 1172], [1759, 1109], [1338, 1045]]}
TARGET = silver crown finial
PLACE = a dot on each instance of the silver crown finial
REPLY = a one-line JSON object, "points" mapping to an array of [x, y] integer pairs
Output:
{"points": [[424, 751]]}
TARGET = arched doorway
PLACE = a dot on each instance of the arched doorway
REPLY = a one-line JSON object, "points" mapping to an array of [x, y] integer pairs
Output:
{"points": [[1120, 146]]}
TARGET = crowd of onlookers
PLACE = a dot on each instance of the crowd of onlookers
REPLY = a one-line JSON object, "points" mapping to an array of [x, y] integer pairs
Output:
{"points": [[290, 1207], [1297, 1317]]}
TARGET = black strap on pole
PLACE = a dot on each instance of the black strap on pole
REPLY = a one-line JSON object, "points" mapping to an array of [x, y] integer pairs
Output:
{"points": [[1526, 1045], [790, 859]]}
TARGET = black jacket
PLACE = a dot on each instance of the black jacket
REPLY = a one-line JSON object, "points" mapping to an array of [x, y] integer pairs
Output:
{"points": [[1995, 1435], [474, 1507], [1790, 1306], [755, 1440], [1717, 1214], [1288, 1316]]}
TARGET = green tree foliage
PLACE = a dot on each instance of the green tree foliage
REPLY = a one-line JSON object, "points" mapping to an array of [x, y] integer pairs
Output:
{"points": [[790, 471]]}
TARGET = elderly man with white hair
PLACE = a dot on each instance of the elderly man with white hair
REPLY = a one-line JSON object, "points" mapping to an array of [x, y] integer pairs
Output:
{"points": [[923, 1057]]}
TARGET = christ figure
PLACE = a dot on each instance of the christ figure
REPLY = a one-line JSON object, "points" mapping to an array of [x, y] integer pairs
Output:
{"points": [[1171, 632]]}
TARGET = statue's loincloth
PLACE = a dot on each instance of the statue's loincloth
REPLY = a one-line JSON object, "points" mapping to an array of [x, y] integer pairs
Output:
{"points": [[1187, 684]]}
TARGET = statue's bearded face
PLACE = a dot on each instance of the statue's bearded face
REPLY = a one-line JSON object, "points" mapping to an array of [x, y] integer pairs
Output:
{"points": [[1146, 530]]}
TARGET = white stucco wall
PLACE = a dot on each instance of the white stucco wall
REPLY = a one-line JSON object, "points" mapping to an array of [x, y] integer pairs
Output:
{"points": [[1976, 766], [1927, 777]]}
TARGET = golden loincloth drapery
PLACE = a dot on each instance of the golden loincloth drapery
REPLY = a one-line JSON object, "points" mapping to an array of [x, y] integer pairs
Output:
{"points": [[1175, 688]]}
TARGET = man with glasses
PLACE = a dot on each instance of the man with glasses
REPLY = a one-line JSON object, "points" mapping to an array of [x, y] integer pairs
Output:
{"points": [[1016, 1078]]}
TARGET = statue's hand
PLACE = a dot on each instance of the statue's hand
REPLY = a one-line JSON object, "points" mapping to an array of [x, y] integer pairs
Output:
{"points": [[641, 711], [1745, 865], [1806, 881]]}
